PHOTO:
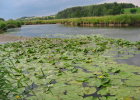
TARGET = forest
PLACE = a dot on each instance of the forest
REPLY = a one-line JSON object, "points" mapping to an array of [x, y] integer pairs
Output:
{"points": [[94, 10]]}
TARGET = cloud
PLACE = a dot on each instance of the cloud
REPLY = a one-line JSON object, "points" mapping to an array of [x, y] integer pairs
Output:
{"points": [[136, 2], [20, 8]]}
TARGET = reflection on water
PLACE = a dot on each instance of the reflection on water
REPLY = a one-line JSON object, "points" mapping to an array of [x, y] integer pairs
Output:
{"points": [[61, 31]]}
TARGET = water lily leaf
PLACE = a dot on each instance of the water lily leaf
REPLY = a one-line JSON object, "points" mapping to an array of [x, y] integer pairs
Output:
{"points": [[112, 98], [88, 90], [80, 79], [103, 91], [132, 82], [128, 98], [74, 70], [91, 98]]}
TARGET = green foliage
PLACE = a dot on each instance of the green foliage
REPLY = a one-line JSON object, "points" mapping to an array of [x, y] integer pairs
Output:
{"points": [[4, 25], [94, 10], [9, 89], [133, 11], [13, 24], [1, 19]]}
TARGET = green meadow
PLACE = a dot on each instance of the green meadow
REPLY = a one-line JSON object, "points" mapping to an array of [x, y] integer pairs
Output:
{"points": [[128, 10]]}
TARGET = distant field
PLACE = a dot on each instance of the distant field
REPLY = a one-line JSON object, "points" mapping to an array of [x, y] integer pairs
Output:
{"points": [[127, 11]]}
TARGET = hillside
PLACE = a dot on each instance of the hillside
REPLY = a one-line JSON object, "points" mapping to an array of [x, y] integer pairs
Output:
{"points": [[94, 10], [37, 18], [128, 10]]}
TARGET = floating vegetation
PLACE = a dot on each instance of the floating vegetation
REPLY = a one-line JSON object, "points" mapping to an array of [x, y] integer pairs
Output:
{"points": [[68, 69]]}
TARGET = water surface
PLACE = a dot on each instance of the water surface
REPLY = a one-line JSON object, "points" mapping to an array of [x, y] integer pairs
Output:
{"points": [[61, 31], [131, 61]]}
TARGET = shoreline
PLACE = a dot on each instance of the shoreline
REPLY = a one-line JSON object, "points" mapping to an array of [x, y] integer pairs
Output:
{"points": [[124, 20], [7, 38]]}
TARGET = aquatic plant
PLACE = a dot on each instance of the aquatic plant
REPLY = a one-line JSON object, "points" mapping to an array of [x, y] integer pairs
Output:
{"points": [[68, 69]]}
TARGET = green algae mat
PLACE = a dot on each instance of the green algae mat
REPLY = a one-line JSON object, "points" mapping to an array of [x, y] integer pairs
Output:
{"points": [[69, 69]]}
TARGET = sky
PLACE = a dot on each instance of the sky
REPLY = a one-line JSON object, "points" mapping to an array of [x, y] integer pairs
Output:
{"points": [[12, 9]]}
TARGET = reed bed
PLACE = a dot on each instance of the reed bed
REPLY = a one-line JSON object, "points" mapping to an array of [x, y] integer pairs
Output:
{"points": [[118, 20]]}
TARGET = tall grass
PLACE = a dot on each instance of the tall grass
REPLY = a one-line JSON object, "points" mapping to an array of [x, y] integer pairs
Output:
{"points": [[9, 81], [129, 19]]}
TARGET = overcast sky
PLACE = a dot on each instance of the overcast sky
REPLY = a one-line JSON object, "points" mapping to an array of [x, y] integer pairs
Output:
{"points": [[19, 8]]}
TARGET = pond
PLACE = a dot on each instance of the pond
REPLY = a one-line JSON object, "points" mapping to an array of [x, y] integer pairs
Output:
{"points": [[61, 31], [66, 69]]}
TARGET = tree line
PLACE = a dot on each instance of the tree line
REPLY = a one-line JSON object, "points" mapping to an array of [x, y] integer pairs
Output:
{"points": [[94, 10], [37, 18]]}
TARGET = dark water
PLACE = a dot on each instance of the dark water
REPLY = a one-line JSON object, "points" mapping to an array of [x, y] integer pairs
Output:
{"points": [[131, 61], [61, 31]]}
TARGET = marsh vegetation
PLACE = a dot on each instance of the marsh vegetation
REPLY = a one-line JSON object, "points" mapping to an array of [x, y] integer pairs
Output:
{"points": [[112, 21], [68, 69]]}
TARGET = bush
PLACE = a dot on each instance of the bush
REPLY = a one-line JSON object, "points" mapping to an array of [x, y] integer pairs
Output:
{"points": [[133, 11], [3, 26]]}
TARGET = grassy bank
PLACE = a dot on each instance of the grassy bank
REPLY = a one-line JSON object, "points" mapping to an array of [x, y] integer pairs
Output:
{"points": [[4, 25], [68, 69], [128, 10], [118, 20]]}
